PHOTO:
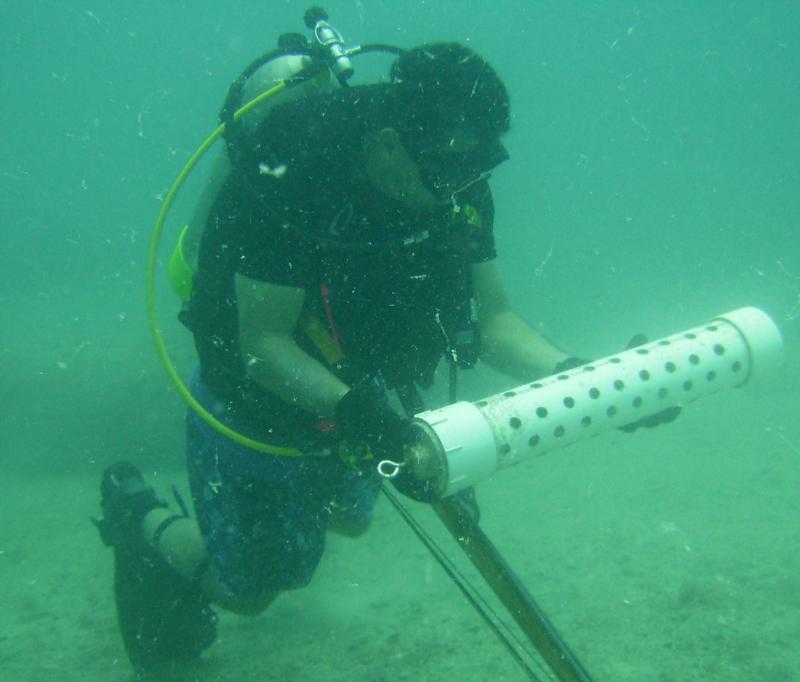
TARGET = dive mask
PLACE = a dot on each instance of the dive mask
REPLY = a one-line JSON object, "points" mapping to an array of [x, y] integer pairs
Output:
{"points": [[447, 170]]}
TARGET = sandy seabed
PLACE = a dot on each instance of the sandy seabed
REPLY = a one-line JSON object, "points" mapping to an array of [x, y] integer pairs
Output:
{"points": [[666, 556]]}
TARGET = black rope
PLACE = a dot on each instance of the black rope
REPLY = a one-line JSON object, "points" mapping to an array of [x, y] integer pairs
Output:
{"points": [[501, 630]]}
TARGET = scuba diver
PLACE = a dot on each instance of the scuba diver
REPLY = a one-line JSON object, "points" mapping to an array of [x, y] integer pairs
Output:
{"points": [[346, 248]]}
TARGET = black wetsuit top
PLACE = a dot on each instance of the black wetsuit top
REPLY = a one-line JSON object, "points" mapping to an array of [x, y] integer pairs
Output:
{"points": [[397, 281]]}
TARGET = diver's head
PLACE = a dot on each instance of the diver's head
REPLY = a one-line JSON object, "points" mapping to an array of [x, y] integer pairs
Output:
{"points": [[450, 111]]}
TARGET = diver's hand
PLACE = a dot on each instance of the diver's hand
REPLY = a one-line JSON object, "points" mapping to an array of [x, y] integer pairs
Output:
{"points": [[664, 417], [653, 420], [569, 363], [368, 429]]}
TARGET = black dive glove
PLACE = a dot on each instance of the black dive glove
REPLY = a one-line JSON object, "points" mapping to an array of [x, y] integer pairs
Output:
{"points": [[569, 363], [368, 429], [651, 421]]}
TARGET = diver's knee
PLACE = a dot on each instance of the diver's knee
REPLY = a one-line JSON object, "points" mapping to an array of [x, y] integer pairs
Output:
{"points": [[351, 528]]}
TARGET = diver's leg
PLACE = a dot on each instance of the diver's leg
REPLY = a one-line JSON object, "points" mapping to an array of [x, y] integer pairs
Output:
{"points": [[163, 617], [177, 540], [262, 517], [180, 544]]}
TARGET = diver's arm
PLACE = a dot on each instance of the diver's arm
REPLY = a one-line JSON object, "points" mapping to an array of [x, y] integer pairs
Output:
{"points": [[268, 314], [508, 343]]}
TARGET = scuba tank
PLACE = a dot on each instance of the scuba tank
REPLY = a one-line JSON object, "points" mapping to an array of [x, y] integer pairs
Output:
{"points": [[304, 67], [296, 64]]}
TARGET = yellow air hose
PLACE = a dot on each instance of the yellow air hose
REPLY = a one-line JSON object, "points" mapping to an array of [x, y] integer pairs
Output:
{"points": [[152, 258]]}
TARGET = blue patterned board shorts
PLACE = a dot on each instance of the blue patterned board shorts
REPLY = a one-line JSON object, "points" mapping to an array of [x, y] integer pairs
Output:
{"points": [[263, 517]]}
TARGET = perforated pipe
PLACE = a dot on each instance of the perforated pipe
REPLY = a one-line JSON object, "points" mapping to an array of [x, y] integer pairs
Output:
{"points": [[473, 440]]}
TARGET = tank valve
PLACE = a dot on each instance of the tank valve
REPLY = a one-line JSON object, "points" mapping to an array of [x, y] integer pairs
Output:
{"points": [[331, 40]]}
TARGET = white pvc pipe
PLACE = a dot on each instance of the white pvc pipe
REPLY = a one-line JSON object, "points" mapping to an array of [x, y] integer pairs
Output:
{"points": [[473, 440]]}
